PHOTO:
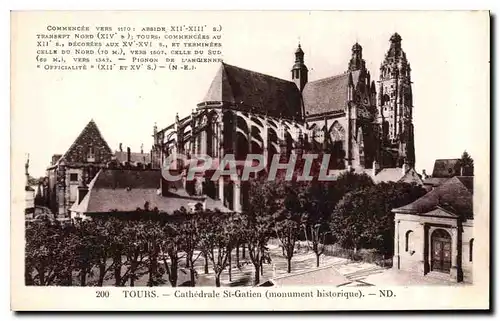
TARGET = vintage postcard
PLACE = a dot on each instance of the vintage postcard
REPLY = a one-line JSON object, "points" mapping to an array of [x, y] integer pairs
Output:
{"points": [[250, 160]]}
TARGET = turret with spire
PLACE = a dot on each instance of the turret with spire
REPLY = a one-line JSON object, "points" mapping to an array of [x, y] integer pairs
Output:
{"points": [[299, 70], [356, 62], [395, 101]]}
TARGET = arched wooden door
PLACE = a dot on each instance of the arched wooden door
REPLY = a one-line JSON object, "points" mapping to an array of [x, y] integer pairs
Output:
{"points": [[441, 251]]}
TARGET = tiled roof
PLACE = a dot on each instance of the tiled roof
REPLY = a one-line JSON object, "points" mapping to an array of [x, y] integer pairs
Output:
{"points": [[435, 181], [468, 182], [446, 168], [143, 158], [452, 195], [388, 175], [411, 176], [384, 175], [328, 94], [90, 136], [255, 91], [127, 190], [128, 178]]}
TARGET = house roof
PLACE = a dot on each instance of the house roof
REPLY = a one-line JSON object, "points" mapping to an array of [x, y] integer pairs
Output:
{"points": [[411, 176], [388, 175], [90, 135], [328, 94], [126, 190], [394, 174], [143, 158], [255, 91], [435, 181], [453, 195], [446, 168], [468, 182]]}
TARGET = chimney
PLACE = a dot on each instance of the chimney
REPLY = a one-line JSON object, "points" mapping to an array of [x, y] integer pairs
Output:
{"points": [[424, 174], [121, 147], [128, 155]]}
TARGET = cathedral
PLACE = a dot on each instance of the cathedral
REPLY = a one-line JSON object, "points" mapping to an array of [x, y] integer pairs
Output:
{"points": [[363, 125]]}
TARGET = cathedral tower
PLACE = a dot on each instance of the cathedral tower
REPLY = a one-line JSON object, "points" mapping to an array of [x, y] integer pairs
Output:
{"points": [[299, 70], [394, 104], [356, 62]]}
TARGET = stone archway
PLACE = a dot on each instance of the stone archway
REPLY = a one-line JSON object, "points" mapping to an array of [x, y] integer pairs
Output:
{"points": [[441, 251]]}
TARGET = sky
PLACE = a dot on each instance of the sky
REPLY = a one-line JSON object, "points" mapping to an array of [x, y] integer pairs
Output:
{"points": [[448, 53]]}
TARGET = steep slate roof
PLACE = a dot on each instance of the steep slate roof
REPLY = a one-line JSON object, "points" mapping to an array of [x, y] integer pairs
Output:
{"points": [[127, 178], [89, 136], [388, 175], [435, 181], [468, 182], [446, 168], [411, 176], [328, 94], [385, 175], [263, 93], [142, 158], [453, 196], [126, 190]]}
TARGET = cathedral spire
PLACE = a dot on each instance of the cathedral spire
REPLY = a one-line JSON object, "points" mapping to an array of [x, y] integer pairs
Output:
{"points": [[395, 101], [299, 69], [356, 62]]}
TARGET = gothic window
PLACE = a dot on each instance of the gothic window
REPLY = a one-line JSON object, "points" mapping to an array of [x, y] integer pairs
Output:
{"points": [[337, 132], [471, 245], [215, 137]]}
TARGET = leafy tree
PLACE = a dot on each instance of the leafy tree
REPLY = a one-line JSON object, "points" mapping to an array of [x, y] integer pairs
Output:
{"points": [[48, 259], [103, 251], [153, 240], [170, 249], [189, 238], [467, 164], [287, 229], [363, 217], [257, 220], [316, 213], [217, 235], [135, 235], [83, 242]]}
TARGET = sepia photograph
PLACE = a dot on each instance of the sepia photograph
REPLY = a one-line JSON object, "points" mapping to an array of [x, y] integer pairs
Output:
{"points": [[279, 155]]}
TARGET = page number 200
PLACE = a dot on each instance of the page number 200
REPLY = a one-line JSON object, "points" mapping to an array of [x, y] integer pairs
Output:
{"points": [[102, 294]]}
